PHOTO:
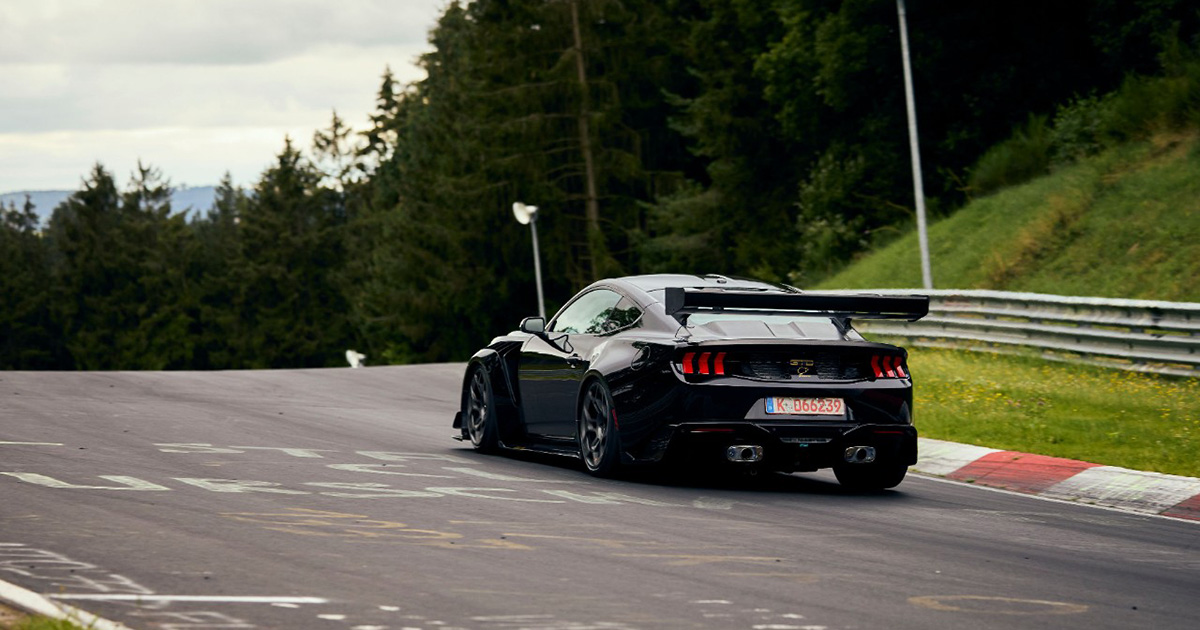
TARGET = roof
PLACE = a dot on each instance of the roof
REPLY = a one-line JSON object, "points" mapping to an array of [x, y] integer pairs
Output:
{"points": [[657, 282]]}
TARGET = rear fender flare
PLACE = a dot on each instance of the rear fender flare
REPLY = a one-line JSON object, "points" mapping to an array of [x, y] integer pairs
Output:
{"points": [[497, 371]]}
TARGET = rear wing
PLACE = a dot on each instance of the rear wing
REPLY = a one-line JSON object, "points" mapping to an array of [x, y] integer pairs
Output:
{"points": [[680, 303]]}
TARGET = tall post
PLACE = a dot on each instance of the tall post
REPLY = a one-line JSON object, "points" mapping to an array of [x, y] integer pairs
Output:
{"points": [[918, 186], [595, 237], [537, 267]]}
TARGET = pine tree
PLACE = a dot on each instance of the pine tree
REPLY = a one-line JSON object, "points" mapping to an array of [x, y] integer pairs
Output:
{"points": [[26, 338], [291, 312]]}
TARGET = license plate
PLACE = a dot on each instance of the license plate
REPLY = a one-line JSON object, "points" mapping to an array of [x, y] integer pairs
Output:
{"points": [[807, 406]]}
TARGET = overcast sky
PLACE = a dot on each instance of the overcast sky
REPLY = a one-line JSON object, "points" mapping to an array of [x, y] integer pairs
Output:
{"points": [[193, 87]]}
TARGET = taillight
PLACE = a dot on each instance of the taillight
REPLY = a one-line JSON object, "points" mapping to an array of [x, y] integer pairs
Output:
{"points": [[888, 366], [705, 363]]}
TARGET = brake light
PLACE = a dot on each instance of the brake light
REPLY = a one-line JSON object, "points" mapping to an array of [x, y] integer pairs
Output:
{"points": [[888, 366], [708, 363]]}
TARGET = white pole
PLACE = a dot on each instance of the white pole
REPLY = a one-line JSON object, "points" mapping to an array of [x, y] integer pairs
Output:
{"points": [[918, 186], [537, 267]]}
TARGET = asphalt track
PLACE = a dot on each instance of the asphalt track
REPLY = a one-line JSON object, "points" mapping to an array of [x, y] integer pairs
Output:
{"points": [[336, 499]]}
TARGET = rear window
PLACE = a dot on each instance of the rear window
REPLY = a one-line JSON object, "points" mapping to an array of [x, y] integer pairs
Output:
{"points": [[812, 326]]}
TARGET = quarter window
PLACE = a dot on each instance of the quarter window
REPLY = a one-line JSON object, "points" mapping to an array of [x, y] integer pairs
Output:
{"points": [[587, 314]]}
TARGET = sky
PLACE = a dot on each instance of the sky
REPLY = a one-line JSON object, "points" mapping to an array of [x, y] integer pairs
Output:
{"points": [[192, 87]]}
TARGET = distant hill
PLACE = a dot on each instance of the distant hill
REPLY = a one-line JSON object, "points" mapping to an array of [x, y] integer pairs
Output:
{"points": [[1122, 224], [199, 198]]}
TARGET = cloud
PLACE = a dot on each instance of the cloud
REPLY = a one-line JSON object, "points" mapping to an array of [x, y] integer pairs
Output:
{"points": [[224, 32], [192, 87], [134, 96], [61, 160]]}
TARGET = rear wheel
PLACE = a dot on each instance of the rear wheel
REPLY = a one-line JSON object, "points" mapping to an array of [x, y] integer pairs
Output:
{"points": [[599, 443], [480, 412], [873, 476]]}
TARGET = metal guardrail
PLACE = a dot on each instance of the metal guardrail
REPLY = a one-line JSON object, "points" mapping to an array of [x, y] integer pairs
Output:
{"points": [[1141, 335]]}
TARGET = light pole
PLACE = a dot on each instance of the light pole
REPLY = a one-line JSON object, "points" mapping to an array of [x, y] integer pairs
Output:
{"points": [[918, 186], [528, 215]]}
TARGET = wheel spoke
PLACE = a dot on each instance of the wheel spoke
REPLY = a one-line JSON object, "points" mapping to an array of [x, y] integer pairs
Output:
{"points": [[477, 407], [593, 429]]}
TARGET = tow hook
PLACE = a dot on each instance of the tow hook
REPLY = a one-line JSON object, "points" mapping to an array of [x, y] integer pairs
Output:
{"points": [[744, 453], [859, 454]]}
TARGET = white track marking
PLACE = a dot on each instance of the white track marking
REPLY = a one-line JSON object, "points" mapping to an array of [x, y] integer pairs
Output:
{"points": [[378, 469], [389, 456], [499, 476], [370, 491], [478, 494], [607, 498], [224, 599], [294, 452], [236, 485], [35, 603], [131, 483], [7, 443]]}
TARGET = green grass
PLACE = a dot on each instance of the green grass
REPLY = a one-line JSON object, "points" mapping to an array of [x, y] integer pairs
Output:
{"points": [[1105, 416], [1122, 224], [43, 623]]}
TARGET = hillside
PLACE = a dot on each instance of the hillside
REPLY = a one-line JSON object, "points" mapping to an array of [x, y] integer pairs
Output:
{"points": [[1123, 224]]}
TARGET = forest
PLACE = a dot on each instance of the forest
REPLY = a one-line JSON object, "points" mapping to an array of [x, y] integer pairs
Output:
{"points": [[763, 138]]}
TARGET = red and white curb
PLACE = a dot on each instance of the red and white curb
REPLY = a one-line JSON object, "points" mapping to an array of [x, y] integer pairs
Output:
{"points": [[34, 603], [1063, 479]]}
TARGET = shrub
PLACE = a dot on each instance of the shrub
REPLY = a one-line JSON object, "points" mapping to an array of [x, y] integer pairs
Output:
{"points": [[1020, 158], [1081, 128]]}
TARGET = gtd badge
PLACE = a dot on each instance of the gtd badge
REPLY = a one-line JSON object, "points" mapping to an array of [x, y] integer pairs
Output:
{"points": [[802, 366]]}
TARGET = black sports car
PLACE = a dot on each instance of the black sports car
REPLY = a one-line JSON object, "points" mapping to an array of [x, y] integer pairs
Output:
{"points": [[708, 370]]}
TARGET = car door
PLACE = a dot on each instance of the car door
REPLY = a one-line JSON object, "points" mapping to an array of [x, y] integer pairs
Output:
{"points": [[553, 365]]}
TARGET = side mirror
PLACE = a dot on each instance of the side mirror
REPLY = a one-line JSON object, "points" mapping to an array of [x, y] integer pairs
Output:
{"points": [[533, 325]]}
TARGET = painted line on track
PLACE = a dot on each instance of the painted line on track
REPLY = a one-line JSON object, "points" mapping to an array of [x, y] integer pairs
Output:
{"points": [[226, 599], [37, 604]]}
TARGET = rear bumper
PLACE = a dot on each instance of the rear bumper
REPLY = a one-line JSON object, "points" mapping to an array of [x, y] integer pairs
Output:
{"points": [[786, 447]]}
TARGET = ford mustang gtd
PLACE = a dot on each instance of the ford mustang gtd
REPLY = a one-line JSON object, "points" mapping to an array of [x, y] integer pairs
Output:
{"points": [[710, 370]]}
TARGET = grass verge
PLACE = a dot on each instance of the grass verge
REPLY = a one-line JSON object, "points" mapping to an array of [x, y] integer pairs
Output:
{"points": [[11, 619], [43, 623], [1123, 224], [1028, 404]]}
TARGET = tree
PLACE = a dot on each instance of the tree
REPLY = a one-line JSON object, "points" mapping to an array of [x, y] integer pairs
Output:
{"points": [[737, 215], [120, 293], [291, 313], [216, 270], [26, 339]]}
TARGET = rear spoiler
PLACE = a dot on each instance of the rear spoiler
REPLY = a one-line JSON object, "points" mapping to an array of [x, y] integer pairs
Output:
{"points": [[680, 303]]}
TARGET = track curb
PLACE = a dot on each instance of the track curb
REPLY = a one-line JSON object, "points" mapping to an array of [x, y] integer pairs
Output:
{"points": [[1063, 479], [36, 604]]}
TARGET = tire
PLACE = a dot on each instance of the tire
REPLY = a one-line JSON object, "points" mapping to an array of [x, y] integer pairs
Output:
{"points": [[479, 412], [599, 442], [876, 476]]}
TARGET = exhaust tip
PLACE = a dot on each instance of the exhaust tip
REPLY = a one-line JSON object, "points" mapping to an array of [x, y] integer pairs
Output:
{"points": [[744, 453], [859, 454]]}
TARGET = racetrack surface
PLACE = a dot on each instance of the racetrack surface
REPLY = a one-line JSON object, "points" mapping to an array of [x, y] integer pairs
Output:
{"points": [[336, 499]]}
